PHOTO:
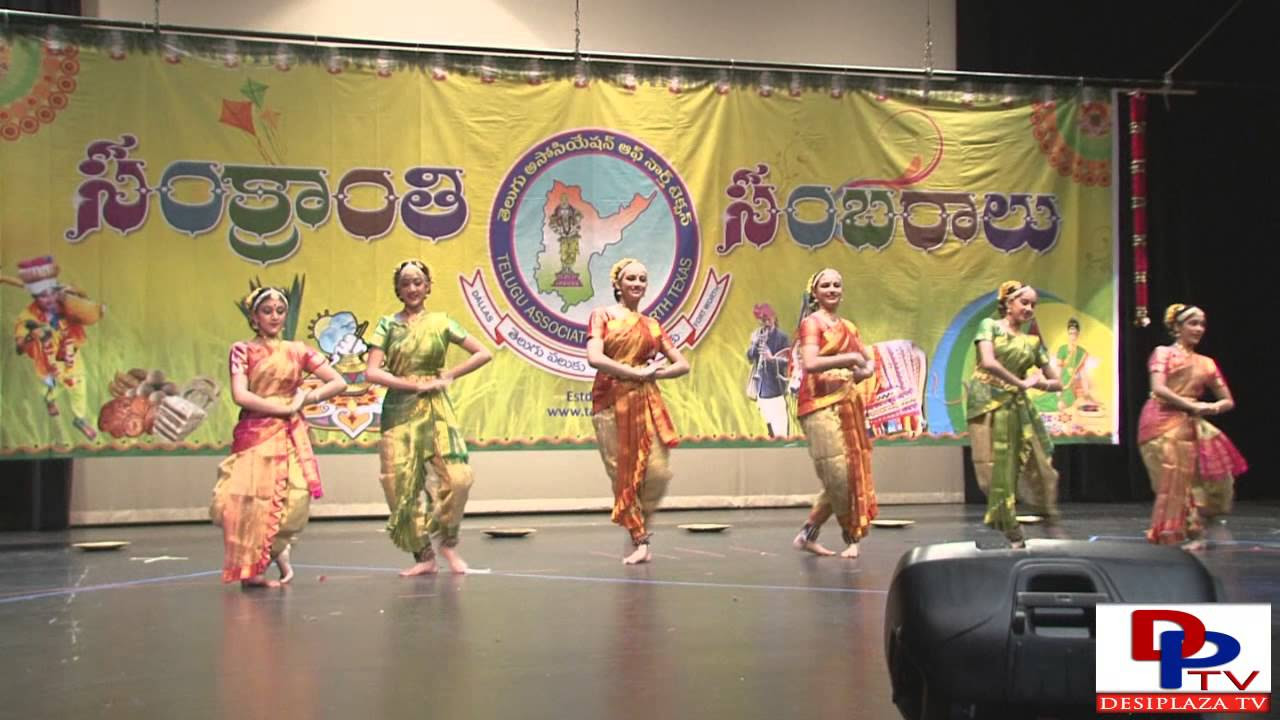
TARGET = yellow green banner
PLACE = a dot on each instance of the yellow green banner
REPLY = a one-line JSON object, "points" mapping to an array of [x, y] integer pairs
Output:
{"points": [[147, 186]]}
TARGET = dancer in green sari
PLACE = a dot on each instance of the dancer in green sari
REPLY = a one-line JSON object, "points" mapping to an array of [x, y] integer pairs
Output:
{"points": [[425, 473], [1008, 439]]}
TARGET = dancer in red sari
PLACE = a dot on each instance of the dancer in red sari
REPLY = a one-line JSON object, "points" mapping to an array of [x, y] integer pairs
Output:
{"points": [[633, 428], [832, 412]]}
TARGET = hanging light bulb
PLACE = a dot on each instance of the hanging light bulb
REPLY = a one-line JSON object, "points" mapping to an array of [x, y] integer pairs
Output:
{"points": [[283, 58], [1008, 98], [837, 86], [115, 45], [333, 64], [488, 73], [438, 71], [383, 64], [674, 85], [172, 50], [580, 77], [53, 39], [722, 82], [628, 80], [765, 84], [230, 54]]}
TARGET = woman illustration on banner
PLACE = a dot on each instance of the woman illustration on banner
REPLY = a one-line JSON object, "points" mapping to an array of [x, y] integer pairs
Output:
{"points": [[1073, 363], [263, 496], [51, 331], [425, 472], [832, 411], [1009, 442], [1192, 464], [633, 429], [768, 354]]}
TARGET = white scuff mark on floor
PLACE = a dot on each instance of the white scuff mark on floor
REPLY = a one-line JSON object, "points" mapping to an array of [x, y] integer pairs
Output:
{"points": [[79, 582]]}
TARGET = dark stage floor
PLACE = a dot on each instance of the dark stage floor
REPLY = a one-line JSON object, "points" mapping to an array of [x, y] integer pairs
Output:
{"points": [[731, 625]]}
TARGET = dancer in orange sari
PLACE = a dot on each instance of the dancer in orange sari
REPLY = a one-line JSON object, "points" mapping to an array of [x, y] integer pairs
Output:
{"points": [[263, 496], [633, 428], [832, 412], [1192, 464]]}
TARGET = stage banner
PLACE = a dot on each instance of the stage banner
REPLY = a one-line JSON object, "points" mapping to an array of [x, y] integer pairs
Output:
{"points": [[148, 183]]}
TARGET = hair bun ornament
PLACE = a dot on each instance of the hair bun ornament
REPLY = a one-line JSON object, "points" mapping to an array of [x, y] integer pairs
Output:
{"points": [[615, 272], [1008, 288], [413, 262], [260, 295]]}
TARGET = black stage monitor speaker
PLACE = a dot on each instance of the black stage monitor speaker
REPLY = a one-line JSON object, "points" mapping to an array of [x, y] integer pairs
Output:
{"points": [[1004, 633]]}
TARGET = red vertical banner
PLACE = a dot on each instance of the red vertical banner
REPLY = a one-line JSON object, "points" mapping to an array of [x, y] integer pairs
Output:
{"points": [[1138, 201]]}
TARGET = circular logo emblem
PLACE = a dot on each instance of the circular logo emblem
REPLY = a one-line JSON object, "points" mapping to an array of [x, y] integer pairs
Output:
{"points": [[571, 207]]}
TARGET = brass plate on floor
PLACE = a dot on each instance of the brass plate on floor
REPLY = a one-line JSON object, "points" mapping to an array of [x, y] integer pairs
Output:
{"points": [[509, 532]]}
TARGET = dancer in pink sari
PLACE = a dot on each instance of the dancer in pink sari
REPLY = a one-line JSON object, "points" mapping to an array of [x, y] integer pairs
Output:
{"points": [[263, 496], [1192, 464]]}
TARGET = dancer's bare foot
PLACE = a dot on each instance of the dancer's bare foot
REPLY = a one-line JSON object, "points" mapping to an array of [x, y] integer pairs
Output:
{"points": [[456, 563], [640, 555], [286, 570], [426, 567], [259, 581], [850, 552], [1195, 545], [810, 546]]}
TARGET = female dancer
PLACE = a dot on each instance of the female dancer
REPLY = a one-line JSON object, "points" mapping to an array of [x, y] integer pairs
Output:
{"points": [[421, 447], [1008, 439], [263, 496], [1191, 463], [633, 428], [831, 411]]}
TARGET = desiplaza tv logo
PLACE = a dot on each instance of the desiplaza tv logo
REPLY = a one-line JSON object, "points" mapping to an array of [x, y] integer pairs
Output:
{"points": [[1191, 658]]}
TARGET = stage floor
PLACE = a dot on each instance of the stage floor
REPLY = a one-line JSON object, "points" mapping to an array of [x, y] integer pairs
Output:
{"points": [[728, 625]]}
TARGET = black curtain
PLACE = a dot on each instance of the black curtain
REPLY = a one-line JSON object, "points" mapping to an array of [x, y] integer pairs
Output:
{"points": [[1211, 166], [61, 7]]}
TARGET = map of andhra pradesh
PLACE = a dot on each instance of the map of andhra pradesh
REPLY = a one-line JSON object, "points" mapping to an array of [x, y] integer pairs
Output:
{"points": [[573, 232]]}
